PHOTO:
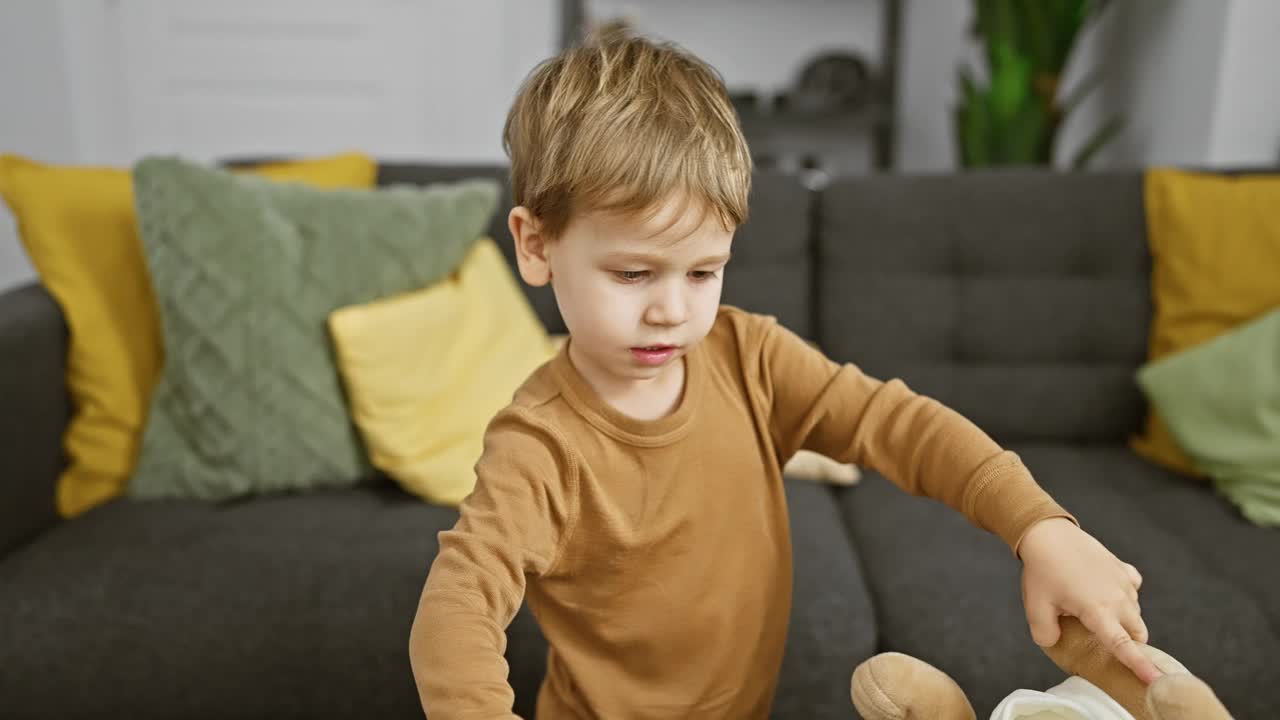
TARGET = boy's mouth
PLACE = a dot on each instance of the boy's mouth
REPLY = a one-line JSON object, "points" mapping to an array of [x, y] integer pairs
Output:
{"points": [[653, 354]]}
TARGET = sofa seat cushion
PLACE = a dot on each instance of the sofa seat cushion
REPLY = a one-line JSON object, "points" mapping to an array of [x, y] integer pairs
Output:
{"points": [[832, 625], [950, 594], [283, 607], [299, 606]]}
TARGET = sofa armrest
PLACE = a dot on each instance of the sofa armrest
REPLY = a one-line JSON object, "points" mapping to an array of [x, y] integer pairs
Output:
{"points": [[33, 413]]}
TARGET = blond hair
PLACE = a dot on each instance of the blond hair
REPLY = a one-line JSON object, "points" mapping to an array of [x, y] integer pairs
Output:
{"points": [[622, 124]]}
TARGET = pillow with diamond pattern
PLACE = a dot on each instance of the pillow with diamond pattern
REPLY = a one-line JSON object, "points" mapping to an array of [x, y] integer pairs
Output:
{"points": [[246, 272]]}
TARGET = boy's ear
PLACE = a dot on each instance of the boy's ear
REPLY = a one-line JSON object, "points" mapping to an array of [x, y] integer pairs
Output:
{"points": [[531, 246]]}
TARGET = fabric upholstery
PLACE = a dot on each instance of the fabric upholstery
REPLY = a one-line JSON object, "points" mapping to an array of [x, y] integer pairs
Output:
{"points": [[889, 572], [1221, 403], [833, 624], [1022, 299], [33, 345], [173, 609], [949, 594], [1017, 298], [246, 272]]}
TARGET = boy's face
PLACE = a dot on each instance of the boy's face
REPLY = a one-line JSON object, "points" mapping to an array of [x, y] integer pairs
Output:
{"points": [[636, 294]]}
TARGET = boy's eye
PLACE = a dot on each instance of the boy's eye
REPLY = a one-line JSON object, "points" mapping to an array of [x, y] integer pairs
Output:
{"points": [[702, 274], [630, 275]]}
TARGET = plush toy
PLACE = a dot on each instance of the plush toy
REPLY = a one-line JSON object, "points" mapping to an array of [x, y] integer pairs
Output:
{"points": [[893, 686], [808, 465]]}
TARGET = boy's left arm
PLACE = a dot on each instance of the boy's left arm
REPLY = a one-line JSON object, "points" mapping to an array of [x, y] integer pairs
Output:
{"points": [[928, 449]]}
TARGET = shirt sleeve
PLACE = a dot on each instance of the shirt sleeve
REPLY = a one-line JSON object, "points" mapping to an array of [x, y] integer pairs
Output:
{"points": [[919, 444], [509, 528]]}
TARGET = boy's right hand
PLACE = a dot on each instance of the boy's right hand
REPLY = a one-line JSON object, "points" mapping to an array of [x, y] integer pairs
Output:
{"points": [[1066, 571]]}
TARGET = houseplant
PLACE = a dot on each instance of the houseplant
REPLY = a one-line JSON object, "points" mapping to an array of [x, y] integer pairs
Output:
{"points": [[1014, 118]]}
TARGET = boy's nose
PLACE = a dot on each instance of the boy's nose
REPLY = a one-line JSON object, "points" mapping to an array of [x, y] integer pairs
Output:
{"points": [[669, 308]]}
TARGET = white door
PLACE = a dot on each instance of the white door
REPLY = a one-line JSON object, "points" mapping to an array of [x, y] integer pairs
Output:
{"points": [[400, 79]]}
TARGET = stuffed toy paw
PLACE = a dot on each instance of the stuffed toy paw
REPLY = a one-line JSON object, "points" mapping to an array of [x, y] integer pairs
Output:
{"points": [[893, 686], [809, 465]]}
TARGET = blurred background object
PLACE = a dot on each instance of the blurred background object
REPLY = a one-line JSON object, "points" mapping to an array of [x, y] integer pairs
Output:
{"points": [[813, 81], [824, 87], [1014, 117]]}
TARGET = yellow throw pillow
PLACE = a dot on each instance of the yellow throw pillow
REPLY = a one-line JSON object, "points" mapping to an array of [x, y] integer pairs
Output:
{"points": [[1215, 247], [426, 371], [79, 228]]}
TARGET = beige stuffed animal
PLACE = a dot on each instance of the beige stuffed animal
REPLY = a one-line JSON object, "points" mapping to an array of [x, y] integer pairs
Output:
{"points": [[809, 465], [893, 686]]}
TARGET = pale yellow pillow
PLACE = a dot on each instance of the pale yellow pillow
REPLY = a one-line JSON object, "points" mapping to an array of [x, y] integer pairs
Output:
{"points": [[79, 229], [1215, 250], [426, 371]]}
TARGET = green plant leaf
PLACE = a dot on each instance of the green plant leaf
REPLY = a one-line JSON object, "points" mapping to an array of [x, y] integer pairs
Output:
{"points": [[982, 12], [1040, 41], [1027, 43], [998, 21], [1023, 138], [971, 138], [1067, 18], [973, 128], [1010, 83], [968, 86]]}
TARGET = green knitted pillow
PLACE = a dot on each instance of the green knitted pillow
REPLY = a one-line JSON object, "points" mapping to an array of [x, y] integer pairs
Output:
{"points": [[1221, 401], [246, 271]]}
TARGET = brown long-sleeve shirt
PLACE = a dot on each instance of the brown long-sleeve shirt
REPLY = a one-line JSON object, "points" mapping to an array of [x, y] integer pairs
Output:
{"points": [[656, 555]]}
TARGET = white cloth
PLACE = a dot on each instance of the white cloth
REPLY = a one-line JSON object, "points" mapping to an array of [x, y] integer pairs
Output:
{"points": [[1074, 699]]}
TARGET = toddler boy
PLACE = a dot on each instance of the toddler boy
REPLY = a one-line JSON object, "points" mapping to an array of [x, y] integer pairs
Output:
{"points": [[632, 492]]}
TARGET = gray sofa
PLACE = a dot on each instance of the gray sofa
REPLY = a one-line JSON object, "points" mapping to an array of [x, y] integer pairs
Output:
{"points": [[1020, 298]]}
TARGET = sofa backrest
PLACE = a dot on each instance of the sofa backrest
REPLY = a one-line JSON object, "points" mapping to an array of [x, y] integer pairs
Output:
{"points": [[771, 270], [1019, 298]]}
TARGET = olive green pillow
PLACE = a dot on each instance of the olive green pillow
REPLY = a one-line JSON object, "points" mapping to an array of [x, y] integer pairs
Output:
{"points": [[246, 271], [1221, 402]]}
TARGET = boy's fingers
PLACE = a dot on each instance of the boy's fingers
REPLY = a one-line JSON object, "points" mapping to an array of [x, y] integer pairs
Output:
{"points": [[1133, 658], [1134, 625], [1116, 639], [1043, 619], [1134, 575]]}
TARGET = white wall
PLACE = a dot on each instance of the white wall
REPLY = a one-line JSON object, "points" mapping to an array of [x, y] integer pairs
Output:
{"points": [[36, 117], [1163, 61], [395, 78], [108, 81], [934, 43], [1246, 124]]}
